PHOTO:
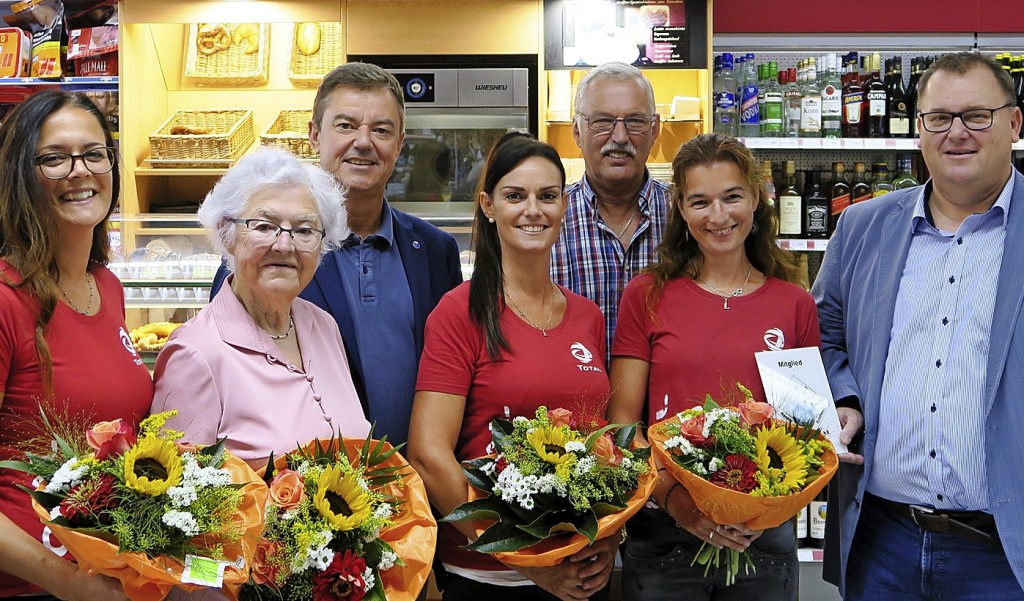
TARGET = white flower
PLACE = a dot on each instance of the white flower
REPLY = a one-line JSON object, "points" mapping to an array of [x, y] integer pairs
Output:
{"points": [[289, 515], [575, 446], [67, 476], [715, 464], [627, 462], [678, 442], [369, 579], [323, 559], [584, 465], [387, 561], [203, 476], [384, 511], [55, 512], [182, 520], [519, 419], [182, 496]]}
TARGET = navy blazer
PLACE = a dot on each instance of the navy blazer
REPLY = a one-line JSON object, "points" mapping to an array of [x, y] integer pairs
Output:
{"points": [[856, 296], [431, 261]]}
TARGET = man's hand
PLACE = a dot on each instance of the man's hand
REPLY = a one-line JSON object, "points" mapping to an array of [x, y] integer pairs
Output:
{"points": [[852, 422]]}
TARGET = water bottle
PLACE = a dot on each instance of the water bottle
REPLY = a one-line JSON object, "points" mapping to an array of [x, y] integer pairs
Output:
{"points": [[724, 90]]}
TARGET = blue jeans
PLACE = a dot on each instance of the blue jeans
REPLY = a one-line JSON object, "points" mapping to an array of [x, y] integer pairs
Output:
{"points": [[656, 565], [895, 560]]}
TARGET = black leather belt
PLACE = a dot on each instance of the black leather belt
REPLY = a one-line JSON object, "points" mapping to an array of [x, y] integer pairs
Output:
{"points": [[975, 525]]}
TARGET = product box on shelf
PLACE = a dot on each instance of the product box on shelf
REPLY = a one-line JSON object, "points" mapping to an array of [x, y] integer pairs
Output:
{"points": [[94, 50], [15, 52]]}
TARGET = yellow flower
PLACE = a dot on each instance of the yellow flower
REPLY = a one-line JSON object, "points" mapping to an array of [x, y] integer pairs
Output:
{"points": [[152, 466], [341, 499], [780, 458], [549, 443]]}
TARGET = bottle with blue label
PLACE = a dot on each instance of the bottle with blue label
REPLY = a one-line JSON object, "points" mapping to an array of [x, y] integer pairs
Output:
{"points": [[749, 111], [724, 92]]}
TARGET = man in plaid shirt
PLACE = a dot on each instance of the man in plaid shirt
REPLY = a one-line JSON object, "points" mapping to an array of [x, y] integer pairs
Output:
{"points": [[616, 214]]}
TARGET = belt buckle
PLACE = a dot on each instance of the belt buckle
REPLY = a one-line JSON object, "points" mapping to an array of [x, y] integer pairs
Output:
{"points": [[916, 509]]}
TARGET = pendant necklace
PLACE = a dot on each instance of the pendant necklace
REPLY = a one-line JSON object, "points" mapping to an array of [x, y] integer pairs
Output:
{"points": [[551, 314], [728, 295], [626, 227], [92, 295]]}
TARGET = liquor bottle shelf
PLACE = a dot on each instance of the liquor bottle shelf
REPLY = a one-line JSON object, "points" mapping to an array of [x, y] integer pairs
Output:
{"points": [[104, 82], [839, 143], [803, 245]]}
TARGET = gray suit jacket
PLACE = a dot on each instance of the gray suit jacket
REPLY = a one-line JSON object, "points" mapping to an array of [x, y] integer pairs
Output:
{"points": [[856, 296]]}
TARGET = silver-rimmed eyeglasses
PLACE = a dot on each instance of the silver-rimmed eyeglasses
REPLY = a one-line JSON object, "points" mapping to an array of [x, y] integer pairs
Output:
{"points": [[58, 165], [604, 124], [974, 119], [264, 233]]}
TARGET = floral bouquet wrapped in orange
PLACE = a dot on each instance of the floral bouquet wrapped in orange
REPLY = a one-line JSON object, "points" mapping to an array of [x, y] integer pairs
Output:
{"points": [[146, 510], [741, 466], [558, 483], [346, 520]]}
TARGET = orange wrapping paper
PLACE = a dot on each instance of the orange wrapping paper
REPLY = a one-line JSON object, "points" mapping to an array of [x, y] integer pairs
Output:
{"points": [[553, 550], [146, 579], [724, 506], [414, 535]]}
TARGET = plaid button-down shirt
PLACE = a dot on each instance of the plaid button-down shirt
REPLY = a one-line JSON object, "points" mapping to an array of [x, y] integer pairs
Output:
{"points": [[589, 259]]}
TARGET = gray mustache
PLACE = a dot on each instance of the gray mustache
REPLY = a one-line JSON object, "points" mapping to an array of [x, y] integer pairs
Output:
{"points": [[615, 146]]}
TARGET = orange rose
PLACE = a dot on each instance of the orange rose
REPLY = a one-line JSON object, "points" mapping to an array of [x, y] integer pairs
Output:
{"points": [[264, 571], [606, 451], [693, 430], [753, 413], [559, 417], [287, 489], [110, 438]]}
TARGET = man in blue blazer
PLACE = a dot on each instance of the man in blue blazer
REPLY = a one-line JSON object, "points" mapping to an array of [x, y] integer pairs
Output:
{"points": [[920, 299], [394, 268]]}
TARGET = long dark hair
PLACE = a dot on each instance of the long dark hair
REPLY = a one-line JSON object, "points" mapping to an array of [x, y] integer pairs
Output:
{"points": [[28, 225], [487, 285], [679, 254]]}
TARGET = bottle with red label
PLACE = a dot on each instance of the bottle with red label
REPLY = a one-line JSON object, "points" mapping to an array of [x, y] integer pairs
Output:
{"points": [[854, 102], [839, 196]]}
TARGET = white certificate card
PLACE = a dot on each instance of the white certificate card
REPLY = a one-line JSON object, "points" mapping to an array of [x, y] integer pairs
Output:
{"points": [[796, 386]]}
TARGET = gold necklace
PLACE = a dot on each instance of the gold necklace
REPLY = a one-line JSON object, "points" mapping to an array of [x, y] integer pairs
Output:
{"points": [[551, 314], [728, 295], [92, 295], [291, 326]]}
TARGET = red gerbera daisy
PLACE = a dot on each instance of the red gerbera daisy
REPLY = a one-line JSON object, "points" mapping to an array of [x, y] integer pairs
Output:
{"points": [[737, 474]]}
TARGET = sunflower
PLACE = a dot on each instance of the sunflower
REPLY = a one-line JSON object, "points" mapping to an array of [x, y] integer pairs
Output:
{"points": [[152, 466], [341, 499], [549, 443], [780, 459]]}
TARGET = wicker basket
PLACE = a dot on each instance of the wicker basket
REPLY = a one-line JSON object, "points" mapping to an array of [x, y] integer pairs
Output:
{"points": [[288, 131], [306, 70], [229, 67], [230, 134]]}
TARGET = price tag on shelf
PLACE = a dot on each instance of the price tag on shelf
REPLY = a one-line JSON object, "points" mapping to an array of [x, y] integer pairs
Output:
{"points": [[853, 143], [831, 143]]}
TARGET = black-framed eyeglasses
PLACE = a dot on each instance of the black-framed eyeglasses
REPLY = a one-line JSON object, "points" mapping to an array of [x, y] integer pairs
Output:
{"points": [[58, 165], [974, 119], [604, 124], [264, 233]]}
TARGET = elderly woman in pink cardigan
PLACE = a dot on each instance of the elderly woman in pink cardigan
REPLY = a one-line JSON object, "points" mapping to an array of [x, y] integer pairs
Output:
{"points": [[259, 365]]}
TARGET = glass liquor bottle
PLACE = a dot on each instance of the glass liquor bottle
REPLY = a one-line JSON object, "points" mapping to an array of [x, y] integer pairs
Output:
{"points": [[854, 105], [816, 208], [774, 111], [794, 99], [860, 189], [839, 196], [877, 99], [880, 182], [899, 109], [831, 100], [810, 104], [904, 173], [790, 205], [725, 98]]}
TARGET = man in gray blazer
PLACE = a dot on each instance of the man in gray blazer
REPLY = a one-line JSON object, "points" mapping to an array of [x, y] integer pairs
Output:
{"points": [[920, 300]]}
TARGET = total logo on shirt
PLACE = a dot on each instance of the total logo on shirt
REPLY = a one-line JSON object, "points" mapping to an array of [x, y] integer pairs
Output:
{"points": [[582, 354], [775, 339]]}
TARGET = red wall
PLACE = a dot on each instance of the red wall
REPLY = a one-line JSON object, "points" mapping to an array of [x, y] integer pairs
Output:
{"points": [[868, 16]]}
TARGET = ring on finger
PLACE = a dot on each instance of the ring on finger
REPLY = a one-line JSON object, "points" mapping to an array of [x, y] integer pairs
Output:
{"points": [[711, 535], [718, 528]]}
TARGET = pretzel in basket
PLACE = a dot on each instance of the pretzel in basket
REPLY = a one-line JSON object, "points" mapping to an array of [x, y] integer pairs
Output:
{"points": [[213, 38]]}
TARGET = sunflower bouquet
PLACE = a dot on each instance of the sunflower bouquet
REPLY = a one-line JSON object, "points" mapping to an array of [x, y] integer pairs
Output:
{"points": [[559, 481], [347, 519], [742, 466], [145, 509]]}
